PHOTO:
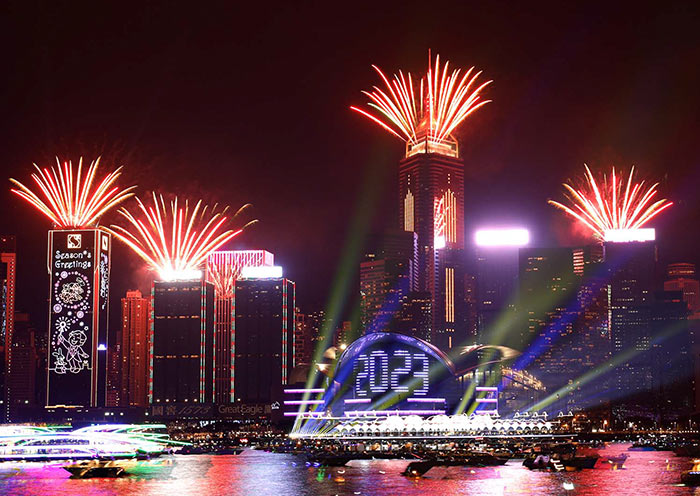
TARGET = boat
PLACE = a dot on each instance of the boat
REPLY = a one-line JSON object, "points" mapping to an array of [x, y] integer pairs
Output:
{"points": [[120, 468], [560, 463], [476, 459], [617, 459], [579, 462], [95, 443], [692, 477], [95, 468]]}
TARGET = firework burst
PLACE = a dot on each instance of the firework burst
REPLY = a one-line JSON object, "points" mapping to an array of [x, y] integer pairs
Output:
{"points": [[175, 239], [612, 203], [70, 198], [431, 107]]}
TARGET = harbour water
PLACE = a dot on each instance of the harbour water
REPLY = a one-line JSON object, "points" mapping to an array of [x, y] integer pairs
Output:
{"points": [[259, 473]]}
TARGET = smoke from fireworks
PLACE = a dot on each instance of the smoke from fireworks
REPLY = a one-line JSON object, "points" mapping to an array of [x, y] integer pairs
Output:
{"points": [[175, 239], [612, 203], [70, 200], [431, 107]]}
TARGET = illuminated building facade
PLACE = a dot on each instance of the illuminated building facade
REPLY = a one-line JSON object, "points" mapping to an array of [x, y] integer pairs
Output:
{"points": [[631, 268], [78, 265], [223, 269], [8, 274], [182, 332], [387, 275], [22, 374], [264, 322], [114, 371], [431, 204], [673, 360], [416, 317], [496, 269], [546, 286], [134, 364], [302, 339], [547, 303], [682, 277]]}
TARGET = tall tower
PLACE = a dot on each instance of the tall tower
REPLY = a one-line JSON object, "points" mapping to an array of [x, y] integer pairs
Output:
{"points": [[134, 349], [631, 267], [682, 277], [425, 114], [181, 354], [8, 268], [264, 323], [223, 269], [431, 204], [78, 265]]}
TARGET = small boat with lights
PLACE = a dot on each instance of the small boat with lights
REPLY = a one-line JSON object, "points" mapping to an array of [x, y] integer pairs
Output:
{"points": [[96, 468], [692, 476]]}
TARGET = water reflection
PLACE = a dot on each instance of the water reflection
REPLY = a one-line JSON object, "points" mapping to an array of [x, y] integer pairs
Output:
{"points": [[260, 474]]}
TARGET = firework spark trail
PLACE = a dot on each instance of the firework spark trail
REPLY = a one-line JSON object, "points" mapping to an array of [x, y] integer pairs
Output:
{"points": [[612, 204], [434, 107], [70, 200], [175, 241]]}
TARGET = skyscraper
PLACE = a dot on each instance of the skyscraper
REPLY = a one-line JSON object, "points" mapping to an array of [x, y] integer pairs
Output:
{"points": [[22, 370], [134, 346], [682, 277], [547, 304], [431, 204], [182, 332], [264, 324], [496, 269], [563, 307], [79, 264], [8, 268], [631, 270], [672, 357], [387, 275], [223, 269]]}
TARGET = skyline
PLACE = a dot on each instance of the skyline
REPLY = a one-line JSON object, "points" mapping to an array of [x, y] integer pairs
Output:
{"points": [[312, 227]]}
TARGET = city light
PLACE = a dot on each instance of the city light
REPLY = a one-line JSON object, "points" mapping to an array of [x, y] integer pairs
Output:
{"points": [[261, 272], [439, 223], [224, 267], [429, 108], [502, 237], [629, 235], [610, 203], [70, 200], [175, 241]]}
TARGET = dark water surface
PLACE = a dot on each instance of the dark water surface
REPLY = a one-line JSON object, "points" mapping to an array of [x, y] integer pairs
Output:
{"points": [[260, 474]]}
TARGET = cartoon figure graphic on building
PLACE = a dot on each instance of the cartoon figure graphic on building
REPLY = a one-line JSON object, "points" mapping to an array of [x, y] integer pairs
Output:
{"points": [[75, 356], [75, 359], [59, 362], [72, 292]]}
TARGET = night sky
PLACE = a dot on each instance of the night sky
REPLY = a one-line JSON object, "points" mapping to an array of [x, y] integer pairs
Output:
{"points": [[248, 102]]}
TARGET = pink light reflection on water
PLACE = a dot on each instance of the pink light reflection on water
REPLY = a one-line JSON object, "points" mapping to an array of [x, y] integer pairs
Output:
{"points": [[259, 474]]}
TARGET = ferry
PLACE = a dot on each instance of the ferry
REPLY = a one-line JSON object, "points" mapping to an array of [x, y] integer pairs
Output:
{"points": [[28, 443]]}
